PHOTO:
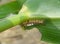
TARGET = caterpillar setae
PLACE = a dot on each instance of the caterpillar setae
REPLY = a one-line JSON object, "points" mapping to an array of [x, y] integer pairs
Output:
{"points": [[32, 22]]}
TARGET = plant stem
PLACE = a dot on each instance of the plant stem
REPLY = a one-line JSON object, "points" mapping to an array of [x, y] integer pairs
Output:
{"points": [[11, 21]]}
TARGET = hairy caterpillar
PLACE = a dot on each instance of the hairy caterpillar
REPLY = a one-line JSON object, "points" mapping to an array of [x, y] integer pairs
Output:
{"points": [[32, 22]]}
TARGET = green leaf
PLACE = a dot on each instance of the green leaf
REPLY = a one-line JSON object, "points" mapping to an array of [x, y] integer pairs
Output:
{"points": [[49, 10], [11, 21], [21, 2], [6, 9], [50, 30]]}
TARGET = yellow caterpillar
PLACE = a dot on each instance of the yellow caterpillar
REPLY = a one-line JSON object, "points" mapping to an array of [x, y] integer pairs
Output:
{"points": [[32, 22]]}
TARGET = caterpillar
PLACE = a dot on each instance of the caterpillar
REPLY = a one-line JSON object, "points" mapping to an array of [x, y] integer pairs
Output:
{"points": [[32, 22]]}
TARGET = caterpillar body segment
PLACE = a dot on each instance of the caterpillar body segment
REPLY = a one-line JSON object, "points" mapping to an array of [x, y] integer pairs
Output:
{"points": [[32, 22]]}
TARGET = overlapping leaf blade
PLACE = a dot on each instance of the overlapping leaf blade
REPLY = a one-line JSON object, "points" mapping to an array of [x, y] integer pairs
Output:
{"points": [[6, 9], [11, 7], [51, 9]]}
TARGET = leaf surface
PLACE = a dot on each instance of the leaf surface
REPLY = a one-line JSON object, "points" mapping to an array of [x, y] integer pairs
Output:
{"points": [[50, 11]]}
